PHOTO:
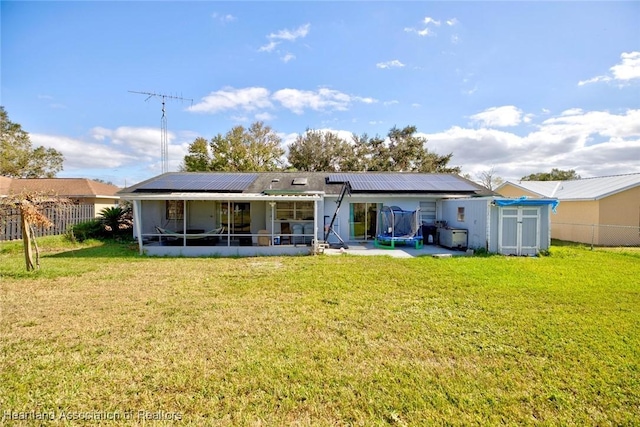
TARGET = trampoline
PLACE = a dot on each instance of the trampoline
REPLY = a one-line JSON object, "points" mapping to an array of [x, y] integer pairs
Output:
{"points": [[398, 227]]}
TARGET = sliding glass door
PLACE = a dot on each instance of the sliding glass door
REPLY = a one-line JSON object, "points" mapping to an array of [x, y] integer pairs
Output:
{"points": [[362, 221]]}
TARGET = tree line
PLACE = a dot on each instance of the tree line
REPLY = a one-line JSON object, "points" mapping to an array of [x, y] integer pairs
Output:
{"points": [[258, 148]]}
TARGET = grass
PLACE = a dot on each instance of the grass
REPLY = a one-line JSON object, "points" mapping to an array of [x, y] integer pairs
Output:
{"points": [[326, 340]]}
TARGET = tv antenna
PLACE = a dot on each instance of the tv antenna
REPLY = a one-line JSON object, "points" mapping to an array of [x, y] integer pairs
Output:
{"points": [[164, 143]]}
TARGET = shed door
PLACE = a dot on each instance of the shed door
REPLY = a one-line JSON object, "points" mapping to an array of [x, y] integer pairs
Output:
{"points": [[519, 231]]}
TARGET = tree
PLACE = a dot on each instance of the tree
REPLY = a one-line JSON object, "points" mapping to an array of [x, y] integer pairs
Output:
{"points": [[408, 153], [317, 151], [30, 206], [253, 149], [489, 179], [18, 159], [554, 175]]}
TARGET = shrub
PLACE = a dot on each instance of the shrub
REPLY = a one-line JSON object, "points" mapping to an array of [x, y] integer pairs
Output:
{"points": [[82, 231], [116, 219]]}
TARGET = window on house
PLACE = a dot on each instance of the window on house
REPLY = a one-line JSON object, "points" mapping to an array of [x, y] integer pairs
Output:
{"points": [[461, 214], [175, 209]]}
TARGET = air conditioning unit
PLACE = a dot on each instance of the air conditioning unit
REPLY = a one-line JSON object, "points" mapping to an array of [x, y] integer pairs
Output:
{"points": [[453, 238]]}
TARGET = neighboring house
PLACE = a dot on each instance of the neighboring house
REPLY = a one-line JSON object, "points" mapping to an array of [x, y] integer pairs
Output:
{"points": [[282, 212], [78, 190], [600, 211]]}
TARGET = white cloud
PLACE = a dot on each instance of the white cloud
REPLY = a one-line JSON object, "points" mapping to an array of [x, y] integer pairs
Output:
{"points": [[365, 100], [269, 46], [291, 35], [247, 99], [324, 99], [392, 102], [223, 17], [423, 32], [277, 38], [594, 80], [507, 115], [390, 64], [571, 112], [453, 21], [288, 57], [593, 143], [264, 117], [258, 98], [426, 31], [110, 148], [628, 69]]}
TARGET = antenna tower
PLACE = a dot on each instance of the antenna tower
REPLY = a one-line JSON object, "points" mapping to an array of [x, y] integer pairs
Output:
{"points": [[164, 143]]}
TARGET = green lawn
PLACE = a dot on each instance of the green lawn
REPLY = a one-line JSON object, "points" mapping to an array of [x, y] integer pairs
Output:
{"points": [[325, 340]]}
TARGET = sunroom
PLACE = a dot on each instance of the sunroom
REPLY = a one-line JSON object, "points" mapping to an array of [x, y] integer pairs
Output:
{"points": [[218, 217]]}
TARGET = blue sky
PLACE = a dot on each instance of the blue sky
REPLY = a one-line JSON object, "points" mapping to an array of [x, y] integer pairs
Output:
{"points": [[520, 87]]}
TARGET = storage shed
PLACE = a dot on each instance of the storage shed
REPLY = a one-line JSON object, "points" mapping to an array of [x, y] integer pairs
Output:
{"points": [[601, 211], [502, 225]]}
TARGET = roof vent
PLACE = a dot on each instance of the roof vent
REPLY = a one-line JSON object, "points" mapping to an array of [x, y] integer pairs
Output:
{"points": [[300, 181]]}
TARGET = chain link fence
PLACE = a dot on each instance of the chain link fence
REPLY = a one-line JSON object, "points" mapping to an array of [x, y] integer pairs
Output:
{"points": [[601, 235]]}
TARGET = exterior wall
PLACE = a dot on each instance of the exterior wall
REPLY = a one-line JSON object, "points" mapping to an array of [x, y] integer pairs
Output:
{"points": [[475, 219], [98, 204], [509, 190], [201, 214], [622, 209], [570, 223]]}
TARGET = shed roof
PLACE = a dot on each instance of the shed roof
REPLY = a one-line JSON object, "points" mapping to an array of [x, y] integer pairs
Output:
{"points": [[70, 187], [579, 189]]}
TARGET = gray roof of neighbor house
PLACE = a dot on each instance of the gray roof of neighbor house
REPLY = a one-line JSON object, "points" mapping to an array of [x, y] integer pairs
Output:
{"points": [[579, 189], [307, 182], [69, 187]]}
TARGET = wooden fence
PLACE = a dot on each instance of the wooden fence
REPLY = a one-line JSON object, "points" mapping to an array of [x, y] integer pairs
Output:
{"points": [[62, 217]]}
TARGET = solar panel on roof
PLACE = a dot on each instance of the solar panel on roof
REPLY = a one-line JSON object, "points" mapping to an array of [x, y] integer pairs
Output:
{"points": [[200, 182], [402, 182]]}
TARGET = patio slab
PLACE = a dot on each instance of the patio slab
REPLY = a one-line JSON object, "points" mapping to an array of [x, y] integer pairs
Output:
{"points": [[369, 249]]}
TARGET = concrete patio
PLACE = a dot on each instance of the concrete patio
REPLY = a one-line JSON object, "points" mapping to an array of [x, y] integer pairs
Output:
{"points": [[368, 249]]}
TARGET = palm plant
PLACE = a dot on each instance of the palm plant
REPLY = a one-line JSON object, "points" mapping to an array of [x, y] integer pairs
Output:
{"points": [[115, 218]]}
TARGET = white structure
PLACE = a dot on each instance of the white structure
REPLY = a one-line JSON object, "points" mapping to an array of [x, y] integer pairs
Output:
{"points": [[272, 213]]}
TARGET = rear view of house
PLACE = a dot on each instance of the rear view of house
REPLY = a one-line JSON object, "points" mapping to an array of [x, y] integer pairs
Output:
{"points": [[278, 212]]}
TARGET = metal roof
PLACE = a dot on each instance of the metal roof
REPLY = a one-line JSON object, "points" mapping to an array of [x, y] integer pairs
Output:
{"points": [[581, 189], [210, 182], [404, 182]]}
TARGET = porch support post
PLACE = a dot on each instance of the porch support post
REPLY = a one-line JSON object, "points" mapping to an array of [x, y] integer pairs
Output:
{"points": [[229, 213], [184, 223], [137, 222], [273, 222], [315, 227]]}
